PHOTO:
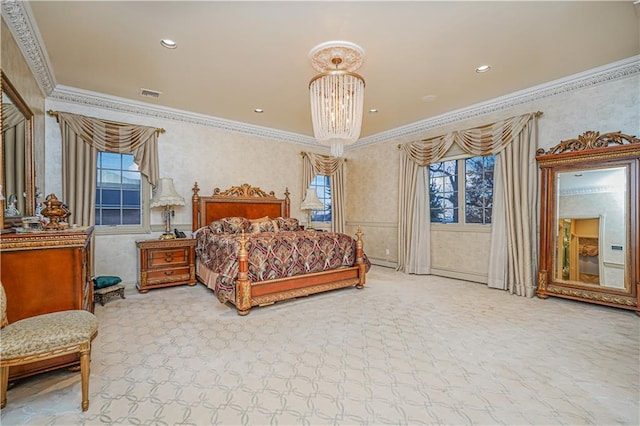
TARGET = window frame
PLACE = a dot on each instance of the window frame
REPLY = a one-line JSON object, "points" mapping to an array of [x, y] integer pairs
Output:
{"points": [[321, 224], [479, 227], [145, 192]]}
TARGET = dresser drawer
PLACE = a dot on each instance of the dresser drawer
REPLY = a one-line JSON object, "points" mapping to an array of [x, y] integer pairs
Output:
{"points": [[161, 258]]}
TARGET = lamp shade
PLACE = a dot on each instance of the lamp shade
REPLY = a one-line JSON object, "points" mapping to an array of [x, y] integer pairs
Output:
{"points": [[166, 195], [311, 201]]}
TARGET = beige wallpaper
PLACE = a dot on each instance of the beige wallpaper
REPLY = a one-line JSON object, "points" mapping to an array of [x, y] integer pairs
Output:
{"points": [[373, 171], [187, 153]]}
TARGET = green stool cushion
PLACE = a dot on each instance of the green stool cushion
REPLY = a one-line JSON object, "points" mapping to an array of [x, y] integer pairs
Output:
{"points": [[105, 281]]}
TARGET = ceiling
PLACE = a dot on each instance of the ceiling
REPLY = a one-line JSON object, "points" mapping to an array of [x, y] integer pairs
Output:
{"points": [[233, 57]]}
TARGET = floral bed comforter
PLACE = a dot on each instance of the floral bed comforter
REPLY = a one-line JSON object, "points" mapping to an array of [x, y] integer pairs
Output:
{"points": [[272, 255]]}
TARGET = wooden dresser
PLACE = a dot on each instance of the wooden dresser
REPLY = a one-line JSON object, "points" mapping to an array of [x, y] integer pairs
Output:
{"points": [[46, 272]]}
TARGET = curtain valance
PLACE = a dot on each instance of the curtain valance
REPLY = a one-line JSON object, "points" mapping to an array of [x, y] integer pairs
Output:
{"points": [[110, 136], [483, 140], [324, 164]]}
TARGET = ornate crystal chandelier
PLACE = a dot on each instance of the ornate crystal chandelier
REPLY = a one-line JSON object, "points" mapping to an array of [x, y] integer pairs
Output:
{"points": [[337, 94]]}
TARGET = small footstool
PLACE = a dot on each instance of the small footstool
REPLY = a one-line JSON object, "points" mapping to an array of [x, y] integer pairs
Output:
{"points": [[103, 294]]}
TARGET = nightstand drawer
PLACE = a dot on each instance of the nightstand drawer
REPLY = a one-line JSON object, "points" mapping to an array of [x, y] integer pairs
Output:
{"points": [[171, 275], [161, 258]]}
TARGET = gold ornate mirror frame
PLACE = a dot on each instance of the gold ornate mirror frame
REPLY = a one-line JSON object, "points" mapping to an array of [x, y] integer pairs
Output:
{"points": [[589, 218], [26, 168]]}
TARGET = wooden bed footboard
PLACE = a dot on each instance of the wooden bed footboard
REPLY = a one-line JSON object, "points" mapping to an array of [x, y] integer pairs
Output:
{"points": [[263, 293]]}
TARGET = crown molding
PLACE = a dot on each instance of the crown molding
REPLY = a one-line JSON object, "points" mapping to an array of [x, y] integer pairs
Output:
{"points": [[19, 19], [614, 71], [99, 100]]}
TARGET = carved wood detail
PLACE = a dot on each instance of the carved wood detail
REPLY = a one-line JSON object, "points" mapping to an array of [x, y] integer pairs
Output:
{"points": [[244, 190], [590, 140]]}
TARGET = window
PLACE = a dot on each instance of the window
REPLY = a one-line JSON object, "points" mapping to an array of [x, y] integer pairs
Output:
{"points": [[323, 187], [119, 190], [448, 203]]}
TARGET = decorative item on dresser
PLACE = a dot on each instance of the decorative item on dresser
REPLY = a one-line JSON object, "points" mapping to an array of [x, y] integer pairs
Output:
{"points": [[251, 253], [44, 272], [164, 263], [589, 238], [56, 212]]}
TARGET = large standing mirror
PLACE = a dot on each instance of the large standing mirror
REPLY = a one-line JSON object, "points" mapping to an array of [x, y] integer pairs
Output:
{"points": [[17, 173], [589, 220]]}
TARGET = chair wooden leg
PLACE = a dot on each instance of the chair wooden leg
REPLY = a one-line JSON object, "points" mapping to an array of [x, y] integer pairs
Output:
{"points": [[4, 377], [85, 358]]}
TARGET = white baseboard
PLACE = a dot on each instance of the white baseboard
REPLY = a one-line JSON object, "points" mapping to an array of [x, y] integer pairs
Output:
{"points": [[467, 276]]}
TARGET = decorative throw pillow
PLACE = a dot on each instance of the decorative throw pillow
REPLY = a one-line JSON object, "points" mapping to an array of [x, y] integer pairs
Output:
{"points": [[288, 224], [264, 224], [235, 225], [105, 281], [217, 227]]}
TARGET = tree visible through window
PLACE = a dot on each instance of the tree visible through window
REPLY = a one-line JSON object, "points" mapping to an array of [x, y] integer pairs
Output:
{"points": [[118, 190], [323, 188], [475, 176]]}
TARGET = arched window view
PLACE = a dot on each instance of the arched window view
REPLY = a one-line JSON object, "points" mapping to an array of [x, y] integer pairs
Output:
{"points": [[323, 187], [474, 201]]}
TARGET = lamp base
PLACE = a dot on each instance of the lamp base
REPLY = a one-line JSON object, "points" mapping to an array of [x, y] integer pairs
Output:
{"points": [[167, 236]]}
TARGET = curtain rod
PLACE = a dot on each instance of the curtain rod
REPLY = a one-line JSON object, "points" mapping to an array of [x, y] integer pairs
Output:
{"points": [[55, 114], [535, 114]]}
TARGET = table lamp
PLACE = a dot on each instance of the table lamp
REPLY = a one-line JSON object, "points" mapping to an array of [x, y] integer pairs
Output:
{"points": [[165, 197], [311, 202]]}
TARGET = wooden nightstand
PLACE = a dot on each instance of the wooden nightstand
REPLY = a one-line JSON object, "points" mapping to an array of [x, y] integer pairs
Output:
{"points": [[165, 263]]}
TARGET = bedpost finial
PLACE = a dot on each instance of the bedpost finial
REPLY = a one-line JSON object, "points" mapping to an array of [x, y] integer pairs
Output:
{"points": [[195, 189]]}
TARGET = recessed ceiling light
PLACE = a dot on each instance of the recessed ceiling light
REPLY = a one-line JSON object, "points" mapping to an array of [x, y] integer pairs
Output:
{"points": [[168, 43], [428, 98], [483, 68], [258, 110], [373, 110]]}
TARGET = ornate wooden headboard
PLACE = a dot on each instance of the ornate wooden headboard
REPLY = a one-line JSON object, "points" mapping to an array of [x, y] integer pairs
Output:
{"points": [[244, 200]]}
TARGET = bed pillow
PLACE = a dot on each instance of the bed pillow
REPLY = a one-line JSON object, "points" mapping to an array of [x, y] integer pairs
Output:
{"points": [[217, 227], [235, 225], [288, 224], [264, 224]]}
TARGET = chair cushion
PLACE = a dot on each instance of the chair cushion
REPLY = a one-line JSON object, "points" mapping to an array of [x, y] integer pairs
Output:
{"points": [[44, 333]]}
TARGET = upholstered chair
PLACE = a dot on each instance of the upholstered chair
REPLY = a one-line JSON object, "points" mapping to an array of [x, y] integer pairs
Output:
{"points": [[43, 337]]}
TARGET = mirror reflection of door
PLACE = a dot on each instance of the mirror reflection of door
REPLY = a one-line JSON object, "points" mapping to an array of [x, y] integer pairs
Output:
{"points": [[579, 250], [591, 238]]}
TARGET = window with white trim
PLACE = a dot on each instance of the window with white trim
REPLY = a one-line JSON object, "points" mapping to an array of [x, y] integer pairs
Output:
{"points": [[120, 191], [461, 191]]}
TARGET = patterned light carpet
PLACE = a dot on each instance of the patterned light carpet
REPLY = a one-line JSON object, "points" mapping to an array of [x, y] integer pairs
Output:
{"points": [[405, 350]]}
